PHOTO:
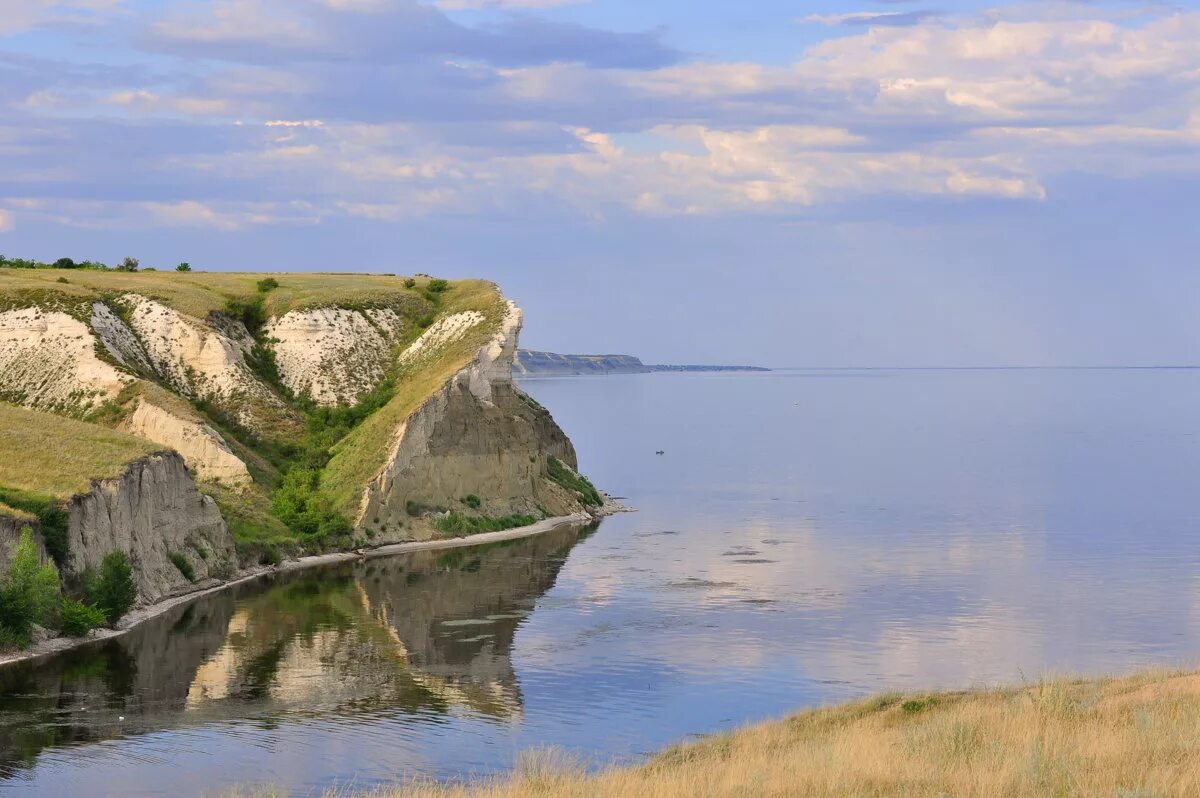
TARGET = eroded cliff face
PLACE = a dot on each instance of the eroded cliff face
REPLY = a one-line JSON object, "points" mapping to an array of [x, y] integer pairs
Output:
{"points": [[11, 528], [334, 355], [477, 435], [152, 511], [48, 362]]}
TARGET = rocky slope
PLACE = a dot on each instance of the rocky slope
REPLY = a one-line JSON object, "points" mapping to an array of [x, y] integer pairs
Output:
{"points": [[276, 416]]}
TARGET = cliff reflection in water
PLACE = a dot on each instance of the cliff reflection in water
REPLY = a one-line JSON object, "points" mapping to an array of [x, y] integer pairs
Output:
{"points": [[423, 633]]}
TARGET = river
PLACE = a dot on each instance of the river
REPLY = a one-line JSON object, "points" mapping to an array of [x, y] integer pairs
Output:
{"points": [[805, 537]]}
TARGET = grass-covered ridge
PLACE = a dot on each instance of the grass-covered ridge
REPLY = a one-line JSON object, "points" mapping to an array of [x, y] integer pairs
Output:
{"points": [[58, 457], [1134, 736], [199, 293]]}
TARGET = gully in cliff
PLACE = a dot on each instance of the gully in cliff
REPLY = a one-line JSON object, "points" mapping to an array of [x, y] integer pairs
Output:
{"points": [[217, 428]]}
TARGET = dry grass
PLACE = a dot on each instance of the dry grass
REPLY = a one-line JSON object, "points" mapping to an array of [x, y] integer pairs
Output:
{"points": [[59, 457], [1135, 736], [198, 293], [13, 512]]}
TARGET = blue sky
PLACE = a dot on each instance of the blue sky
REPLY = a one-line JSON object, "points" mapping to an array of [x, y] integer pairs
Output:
{"points": [[793, 183]]}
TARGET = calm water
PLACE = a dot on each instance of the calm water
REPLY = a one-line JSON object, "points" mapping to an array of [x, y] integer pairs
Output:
{"points": [[806, 537]]}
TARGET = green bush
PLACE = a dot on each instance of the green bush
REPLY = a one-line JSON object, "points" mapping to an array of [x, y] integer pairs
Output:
{"points": [[437, 285], [267, 285], [299, 503], [28, 594], [184, 267], [574, 482], [113, 591], [410, 283], [252, 314], [184, 565], [471, 500], [128, 265], [65, 263], [461, 524], [76, 619], [52, 519]]}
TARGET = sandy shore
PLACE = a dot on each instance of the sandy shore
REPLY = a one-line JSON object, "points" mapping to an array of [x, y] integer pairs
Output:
{"points": [[142, 614]]}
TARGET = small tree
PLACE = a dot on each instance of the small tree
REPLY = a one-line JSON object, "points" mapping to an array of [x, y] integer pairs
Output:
{"points": [[128, 265], [28, 594], [114, 591], [65, 263], [184, 267]]}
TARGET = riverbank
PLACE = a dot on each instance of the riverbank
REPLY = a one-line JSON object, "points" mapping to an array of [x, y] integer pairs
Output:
{"points": [[1133, 736], [140, 615]]}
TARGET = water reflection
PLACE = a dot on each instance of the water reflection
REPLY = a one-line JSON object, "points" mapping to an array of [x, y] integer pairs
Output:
{"points": [[422, 634]]}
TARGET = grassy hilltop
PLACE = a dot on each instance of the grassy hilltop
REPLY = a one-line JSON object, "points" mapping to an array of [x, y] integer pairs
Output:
{"points": [[1134, 736], [308, 462]]}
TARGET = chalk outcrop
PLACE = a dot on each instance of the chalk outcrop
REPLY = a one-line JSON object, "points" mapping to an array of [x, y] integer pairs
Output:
{"points": [[151, 511], [334, 355], [48, 361], [201, 446]]}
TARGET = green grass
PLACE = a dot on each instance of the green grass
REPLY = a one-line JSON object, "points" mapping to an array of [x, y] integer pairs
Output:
{"points": [[578, 484], [13, 512], [358, 457], [59, 457]]}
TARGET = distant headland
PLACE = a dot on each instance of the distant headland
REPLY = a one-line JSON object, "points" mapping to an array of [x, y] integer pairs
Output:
{"points": [[531, 363]]}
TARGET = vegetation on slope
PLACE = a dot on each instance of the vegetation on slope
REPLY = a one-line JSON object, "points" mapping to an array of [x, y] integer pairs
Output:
{"points": [[359, 456], [307, 478], [1135, 736]]}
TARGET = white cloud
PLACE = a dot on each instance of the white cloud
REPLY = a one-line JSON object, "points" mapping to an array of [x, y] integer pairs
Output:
{"points": [[6, 221], [463, 5], [987, 106]]}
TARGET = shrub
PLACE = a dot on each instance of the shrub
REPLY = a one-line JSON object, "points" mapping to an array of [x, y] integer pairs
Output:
{"points": [[437, 285], [574, 482], [128, 265], [62, 280], [113, 591], [410, 283], [458, 523], [184, 565], [267, 285], [28, 594], [184, 267], [65, 263], [76, 619], [252, 313], [471, 500]]}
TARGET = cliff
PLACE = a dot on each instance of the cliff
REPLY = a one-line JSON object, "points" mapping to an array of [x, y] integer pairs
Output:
{"points": [[113, 492], [529, 362], [232, 419], [545, 364]]}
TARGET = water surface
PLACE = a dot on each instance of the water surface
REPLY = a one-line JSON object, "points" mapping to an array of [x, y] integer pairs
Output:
{"points": [[806, 537]]}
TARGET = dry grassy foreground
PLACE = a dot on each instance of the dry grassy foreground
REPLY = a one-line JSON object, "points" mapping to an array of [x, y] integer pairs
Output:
{"points": [[1133, 737]]}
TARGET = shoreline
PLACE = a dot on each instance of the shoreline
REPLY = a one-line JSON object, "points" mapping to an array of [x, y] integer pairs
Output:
{"points": [[1103, 735], [139, 615]]}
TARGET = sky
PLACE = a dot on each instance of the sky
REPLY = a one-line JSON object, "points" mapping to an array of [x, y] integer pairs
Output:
{"points": [[876, 183]]}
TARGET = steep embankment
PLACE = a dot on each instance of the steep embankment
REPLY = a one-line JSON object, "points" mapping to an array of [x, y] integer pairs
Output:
{"points": [[321, 412], [88, 491]]}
